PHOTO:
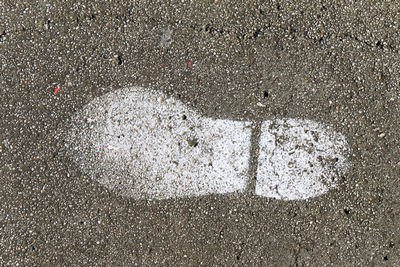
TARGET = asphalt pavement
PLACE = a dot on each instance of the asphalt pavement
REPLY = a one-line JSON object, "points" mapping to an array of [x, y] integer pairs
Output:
{"points": [[334, 62]]}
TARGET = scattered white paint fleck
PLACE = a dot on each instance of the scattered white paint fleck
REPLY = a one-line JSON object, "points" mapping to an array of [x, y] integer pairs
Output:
{"points": [[166, 149], [299, 159], [166, 37], [6, 143], [112, 147], [261, 105]]}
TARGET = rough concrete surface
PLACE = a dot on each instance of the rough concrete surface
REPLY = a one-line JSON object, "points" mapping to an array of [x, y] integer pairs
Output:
{"points": [[335, 62]]}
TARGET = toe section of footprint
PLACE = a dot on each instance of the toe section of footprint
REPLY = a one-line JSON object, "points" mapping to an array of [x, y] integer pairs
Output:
{"points": [[299, 159], [143, 144]]}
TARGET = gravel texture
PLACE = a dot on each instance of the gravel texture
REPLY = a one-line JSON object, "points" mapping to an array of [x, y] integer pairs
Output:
{"points": [[335, 62]]}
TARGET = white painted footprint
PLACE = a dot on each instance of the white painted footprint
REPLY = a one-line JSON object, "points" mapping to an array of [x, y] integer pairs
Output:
{"points": [[143, 144]]}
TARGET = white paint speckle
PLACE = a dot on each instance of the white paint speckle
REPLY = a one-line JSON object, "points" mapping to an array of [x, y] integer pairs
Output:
{"points": [[166, 37], [166, 149], [299, 159]]}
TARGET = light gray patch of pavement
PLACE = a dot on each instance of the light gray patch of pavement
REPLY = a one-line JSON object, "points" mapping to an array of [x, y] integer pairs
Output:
{"points": [[334, 62]]}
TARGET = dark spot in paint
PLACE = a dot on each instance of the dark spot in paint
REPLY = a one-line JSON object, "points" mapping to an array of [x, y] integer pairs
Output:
{"points": [[193, 142]]}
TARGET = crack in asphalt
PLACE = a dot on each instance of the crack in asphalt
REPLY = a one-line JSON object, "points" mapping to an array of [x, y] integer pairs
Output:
{"points": [[212, 30]]}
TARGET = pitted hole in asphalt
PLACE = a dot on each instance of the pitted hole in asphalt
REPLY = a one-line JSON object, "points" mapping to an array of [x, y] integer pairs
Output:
{"points": [[346, 211]]}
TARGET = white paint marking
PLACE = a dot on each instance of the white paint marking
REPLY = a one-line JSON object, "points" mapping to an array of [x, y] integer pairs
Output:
{"points": [[299, 159], [166, 37], [112, 147], [167, 150]]}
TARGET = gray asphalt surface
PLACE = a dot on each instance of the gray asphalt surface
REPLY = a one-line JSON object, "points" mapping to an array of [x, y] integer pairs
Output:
{"points": [[330, 61]]}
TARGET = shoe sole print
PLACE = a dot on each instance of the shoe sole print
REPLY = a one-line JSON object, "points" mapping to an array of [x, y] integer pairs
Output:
{"points": [[145, 145]]}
